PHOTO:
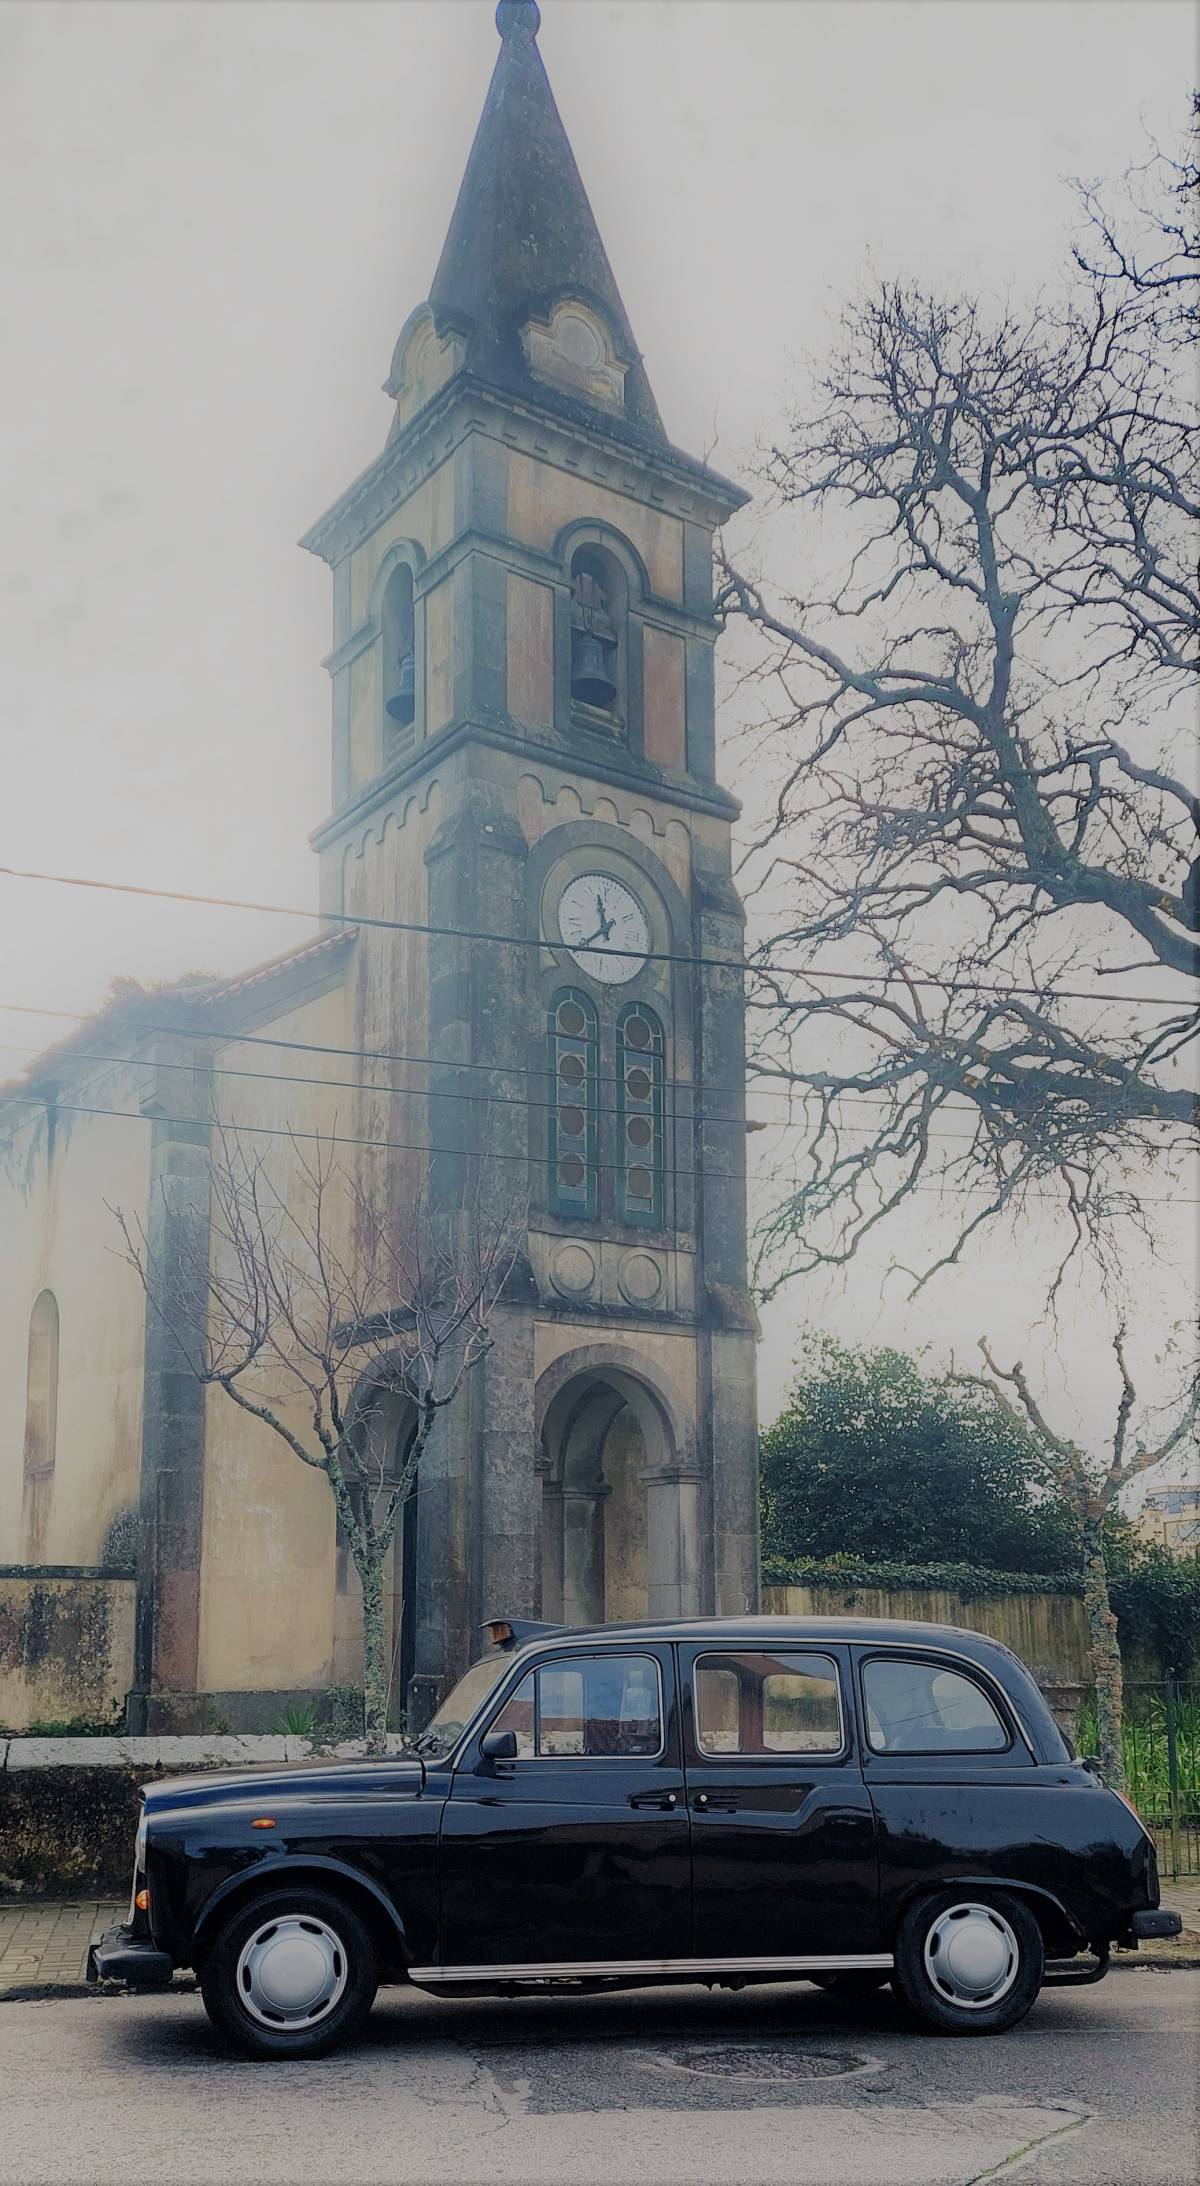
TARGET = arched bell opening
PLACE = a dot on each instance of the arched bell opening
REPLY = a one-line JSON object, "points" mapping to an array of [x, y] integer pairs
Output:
{"points": [[382, 1426], [620, 1510], [599, 638], [399, 650]]}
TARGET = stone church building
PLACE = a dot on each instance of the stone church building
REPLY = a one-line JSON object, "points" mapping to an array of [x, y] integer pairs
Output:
{"points": [[523, 747]]}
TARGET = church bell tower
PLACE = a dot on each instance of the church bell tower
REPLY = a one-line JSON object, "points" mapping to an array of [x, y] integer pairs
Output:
{"points": [[524, 779]]}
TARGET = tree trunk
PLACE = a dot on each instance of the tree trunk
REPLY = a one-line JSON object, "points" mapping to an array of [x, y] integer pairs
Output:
{"points": [[375, 1679], [1104, 1654]]}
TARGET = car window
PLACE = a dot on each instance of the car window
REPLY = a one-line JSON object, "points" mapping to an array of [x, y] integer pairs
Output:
{"points": [[590, 1707], [921, 1707], [750, 1702]]}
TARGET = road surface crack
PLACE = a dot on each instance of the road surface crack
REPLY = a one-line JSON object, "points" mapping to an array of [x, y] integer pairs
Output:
{"points": [[1071, 2124]]}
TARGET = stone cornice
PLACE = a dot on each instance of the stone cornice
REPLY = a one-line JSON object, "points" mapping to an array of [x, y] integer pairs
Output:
{"points": [[659, 477], [504, 735]]}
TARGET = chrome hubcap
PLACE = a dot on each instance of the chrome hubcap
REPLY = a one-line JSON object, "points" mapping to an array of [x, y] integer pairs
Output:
{"points": [[972, 1956], [291, 1972]]}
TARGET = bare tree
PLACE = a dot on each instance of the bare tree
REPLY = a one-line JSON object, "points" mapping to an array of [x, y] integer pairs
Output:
{"points": [[325, 1318], [980, 869], [1091, 1488]]}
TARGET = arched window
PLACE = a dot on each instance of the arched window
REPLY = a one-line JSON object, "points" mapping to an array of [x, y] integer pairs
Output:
{"points": [[397, 636], [572, 1136], [41, 1426], [640, 1048], [599, 640]]}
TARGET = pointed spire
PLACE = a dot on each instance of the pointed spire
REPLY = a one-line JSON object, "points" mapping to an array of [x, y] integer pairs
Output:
{"points": [[523, 235]]}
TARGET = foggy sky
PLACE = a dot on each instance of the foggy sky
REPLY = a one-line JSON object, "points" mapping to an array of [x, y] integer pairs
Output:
{"points": [[215, 219]]}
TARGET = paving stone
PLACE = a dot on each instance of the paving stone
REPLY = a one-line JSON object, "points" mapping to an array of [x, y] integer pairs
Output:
{"points": [[45, 1943]]}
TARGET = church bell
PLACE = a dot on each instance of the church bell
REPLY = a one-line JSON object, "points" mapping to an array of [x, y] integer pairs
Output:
{"points": [[402, 704], [591, 680]]}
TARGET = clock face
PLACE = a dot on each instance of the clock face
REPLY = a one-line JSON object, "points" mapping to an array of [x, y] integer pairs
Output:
{"points": [[598, 913]]}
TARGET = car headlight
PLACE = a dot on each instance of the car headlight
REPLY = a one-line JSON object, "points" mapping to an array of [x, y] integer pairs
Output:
{"points": [[139, 1846]]}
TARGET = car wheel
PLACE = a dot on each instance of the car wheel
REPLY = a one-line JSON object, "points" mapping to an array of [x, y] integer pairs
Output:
{"points": [[857, 1983], [969, 1961], [291, 1974]]}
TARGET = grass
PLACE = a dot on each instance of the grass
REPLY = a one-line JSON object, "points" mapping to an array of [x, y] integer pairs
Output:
{"points": [[1144, 1738]]}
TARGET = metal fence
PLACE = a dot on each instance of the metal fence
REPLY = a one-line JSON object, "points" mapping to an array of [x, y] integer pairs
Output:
{"points": [[1161, 1732]]}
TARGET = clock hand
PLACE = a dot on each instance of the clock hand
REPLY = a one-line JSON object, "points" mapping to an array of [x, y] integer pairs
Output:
{"points": [[606, 924]]}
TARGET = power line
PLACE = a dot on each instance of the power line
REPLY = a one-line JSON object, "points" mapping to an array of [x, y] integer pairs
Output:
{"points": [[235, 1037], [466, 1153], [484, 1096], [533, 941]]}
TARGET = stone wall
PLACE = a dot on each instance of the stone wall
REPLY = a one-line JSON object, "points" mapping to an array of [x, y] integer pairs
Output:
{"points": [[69, 1806], [66, 1643]]}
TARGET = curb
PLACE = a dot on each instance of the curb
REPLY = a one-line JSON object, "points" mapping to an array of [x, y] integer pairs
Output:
{"points": [[51, 1992]]}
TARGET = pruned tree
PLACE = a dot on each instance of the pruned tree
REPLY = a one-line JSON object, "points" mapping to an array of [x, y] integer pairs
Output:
{"points": [[978, 877], [1091, 1486], [320, 1313]]}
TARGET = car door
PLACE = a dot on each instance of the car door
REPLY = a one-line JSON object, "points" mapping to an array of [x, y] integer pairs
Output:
{"points": [[574, 1854], [955, 1786], [783, 1835]]}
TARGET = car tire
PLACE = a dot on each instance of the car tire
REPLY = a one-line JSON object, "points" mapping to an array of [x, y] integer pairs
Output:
{"points": [[853, 1983], [969, 1961], [291, 1973]]}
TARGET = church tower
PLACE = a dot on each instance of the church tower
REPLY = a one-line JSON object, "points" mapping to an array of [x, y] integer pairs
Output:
{"points": [[523, 765]]}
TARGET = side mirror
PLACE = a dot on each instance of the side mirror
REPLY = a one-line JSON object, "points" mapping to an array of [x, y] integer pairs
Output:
{"points": [[497, 1746]]}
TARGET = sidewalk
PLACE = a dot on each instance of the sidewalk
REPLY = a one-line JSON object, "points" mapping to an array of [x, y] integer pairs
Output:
{"points": [[44, 1941], [1184, 1895]]}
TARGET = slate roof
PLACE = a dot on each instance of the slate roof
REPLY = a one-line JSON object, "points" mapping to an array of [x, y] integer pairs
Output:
{"points": [[523, 234], [131, 1010]]}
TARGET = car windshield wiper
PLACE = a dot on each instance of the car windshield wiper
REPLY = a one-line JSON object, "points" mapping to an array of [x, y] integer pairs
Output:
{"points": [[429, 1742]]}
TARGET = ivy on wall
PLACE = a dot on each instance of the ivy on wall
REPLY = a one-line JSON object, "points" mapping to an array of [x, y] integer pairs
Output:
{"points": [[967, 1580]]}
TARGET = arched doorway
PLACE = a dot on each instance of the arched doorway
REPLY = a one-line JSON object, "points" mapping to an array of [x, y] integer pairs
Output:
{"points": [[620, 1498], [381, 1429]]}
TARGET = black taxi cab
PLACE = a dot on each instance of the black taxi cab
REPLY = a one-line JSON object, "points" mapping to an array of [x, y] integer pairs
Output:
{"points": [[845, 1801]]}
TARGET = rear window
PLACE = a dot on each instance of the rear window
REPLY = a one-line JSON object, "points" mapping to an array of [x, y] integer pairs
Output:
{"points": [[922, 1707], [751, 1703]]}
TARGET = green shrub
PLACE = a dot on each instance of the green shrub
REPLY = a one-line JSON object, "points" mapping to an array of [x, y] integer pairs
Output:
{"points": [[874, 1458], [298, 1719], [1156, 1597], [340, 1714]]}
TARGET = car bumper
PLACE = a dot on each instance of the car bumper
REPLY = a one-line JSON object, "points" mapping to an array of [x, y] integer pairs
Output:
{"points": [[1160, 1922], [119, 1955]]}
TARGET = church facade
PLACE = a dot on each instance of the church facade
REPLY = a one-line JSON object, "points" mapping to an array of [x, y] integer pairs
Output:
{"points": [[528, 913]]}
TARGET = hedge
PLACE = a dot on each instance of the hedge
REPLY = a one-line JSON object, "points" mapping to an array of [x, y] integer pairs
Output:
{"points": [[964, 1579]]}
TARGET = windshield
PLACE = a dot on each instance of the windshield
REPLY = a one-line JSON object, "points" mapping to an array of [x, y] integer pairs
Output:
{"points": [[459, 1706]]}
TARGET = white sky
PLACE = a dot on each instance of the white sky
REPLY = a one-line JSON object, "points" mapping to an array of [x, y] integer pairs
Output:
{"points": [[214, 219]]}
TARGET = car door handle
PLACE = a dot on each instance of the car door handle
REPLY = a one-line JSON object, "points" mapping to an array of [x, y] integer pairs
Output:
{"points": [[724, 1802], [665, 1799]]}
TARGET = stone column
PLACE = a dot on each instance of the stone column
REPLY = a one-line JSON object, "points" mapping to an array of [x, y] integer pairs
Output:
{"points": [[479, 1531], [171, 1491], [583, 1553], [550, 1598], [674, 1541], [730, 1323]]}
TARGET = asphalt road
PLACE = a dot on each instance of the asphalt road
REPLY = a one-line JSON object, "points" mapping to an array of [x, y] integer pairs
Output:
{"points": [[651, 2087]]}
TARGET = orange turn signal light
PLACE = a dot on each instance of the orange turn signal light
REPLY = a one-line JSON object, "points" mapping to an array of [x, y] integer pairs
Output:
{"points": [[142, 1901], [265, 1821]]}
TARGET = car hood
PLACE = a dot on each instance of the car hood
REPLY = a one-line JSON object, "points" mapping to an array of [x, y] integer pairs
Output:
{"points": [[304, 1783]]}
